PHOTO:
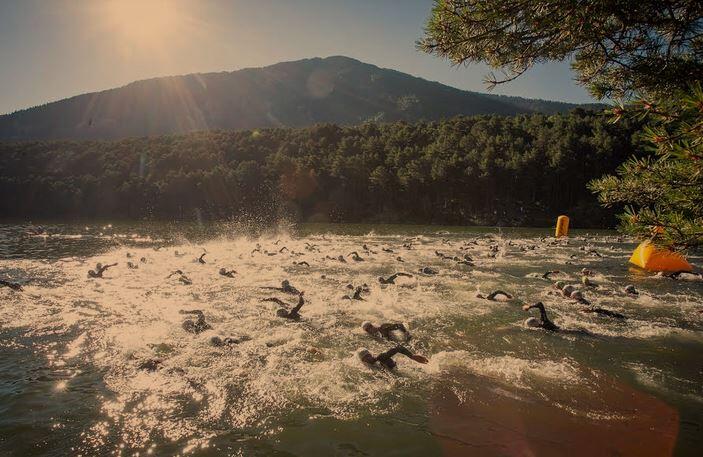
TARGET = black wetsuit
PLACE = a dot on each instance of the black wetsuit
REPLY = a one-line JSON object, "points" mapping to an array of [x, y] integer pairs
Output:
{"points": [[98, 272], [545, 323], [386, 358], [391, 279], [11, 285], [196, 326], [294, 312], [387, 331]]}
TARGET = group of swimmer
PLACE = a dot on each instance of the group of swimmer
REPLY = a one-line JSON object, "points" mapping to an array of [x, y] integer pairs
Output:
{"points": [[195, 321]]}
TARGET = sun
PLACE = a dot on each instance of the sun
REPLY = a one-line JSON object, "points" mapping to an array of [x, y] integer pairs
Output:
{"points": [[143, 23]]}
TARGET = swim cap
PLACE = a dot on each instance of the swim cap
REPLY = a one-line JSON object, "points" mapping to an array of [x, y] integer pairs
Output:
{"points": [[362, 353], [281, 312], [559, 284], [531, 322], [365, 324]]}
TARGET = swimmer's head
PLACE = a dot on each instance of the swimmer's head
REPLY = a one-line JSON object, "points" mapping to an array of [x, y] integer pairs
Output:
{"points": [[281, 312], [364, 355], [559, 284], [285, 283], [367, 326], [98, 265], [216, 341], [532, 322]]}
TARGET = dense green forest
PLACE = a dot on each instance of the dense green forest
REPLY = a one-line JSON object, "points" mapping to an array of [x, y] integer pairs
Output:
{"points": [[490, 169]]}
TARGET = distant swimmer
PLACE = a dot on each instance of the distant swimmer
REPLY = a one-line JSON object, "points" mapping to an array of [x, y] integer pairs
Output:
{"points": [[294, 313], [684, 276], [497, 295], [256, 249], [195, 326], [285, 287], [630, 289], [428, 271], [387, 331], [391, 279], [355, 256], [549, 273], [181, 277], [301, 264], [356, 295], [99, 270], [201, 259], [283, 249], [387, 250], [386, 358], [399, 259], [367, 249], [142, 260], [587, 282], [543, 321], [228, 273], [228, 341], [442, 255], [132, 266], [603, 312], [11, 285]]}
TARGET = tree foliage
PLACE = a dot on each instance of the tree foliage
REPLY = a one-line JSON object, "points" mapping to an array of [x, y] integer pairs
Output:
{"points": [[465, 170], [664, 190], [617, 47]]}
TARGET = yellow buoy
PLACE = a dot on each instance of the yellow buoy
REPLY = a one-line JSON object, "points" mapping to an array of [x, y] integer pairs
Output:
{"points": [[562, 226], [651, 258]]}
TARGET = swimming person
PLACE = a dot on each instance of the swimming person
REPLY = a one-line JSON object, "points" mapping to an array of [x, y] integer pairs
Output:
{"points": [[292, 314], [355, 256], [391, 279], [356, 295], [386, 358], [11, 285], [219, 342], [195, 326], [428, 271], [549, 273], [99, 270], [228, 273], [201, 259], [543, 321], [497, 295], [285, 287], [387, 331]]}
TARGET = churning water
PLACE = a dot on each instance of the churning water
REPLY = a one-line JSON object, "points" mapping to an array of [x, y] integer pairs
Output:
{"points": [[103, 366]]}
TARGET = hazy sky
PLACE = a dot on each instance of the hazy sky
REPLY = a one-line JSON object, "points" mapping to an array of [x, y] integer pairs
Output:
{"points": [[52, 49]]}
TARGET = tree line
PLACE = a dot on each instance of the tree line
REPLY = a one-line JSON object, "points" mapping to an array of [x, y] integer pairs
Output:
{"points": [[497, 170]]}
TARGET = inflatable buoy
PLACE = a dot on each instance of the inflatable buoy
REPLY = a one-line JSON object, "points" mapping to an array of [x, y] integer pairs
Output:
{"points": [[651, 258], [562, 226]]}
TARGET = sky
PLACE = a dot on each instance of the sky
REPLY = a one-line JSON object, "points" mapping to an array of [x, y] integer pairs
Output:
{"points": [[53, 49]]}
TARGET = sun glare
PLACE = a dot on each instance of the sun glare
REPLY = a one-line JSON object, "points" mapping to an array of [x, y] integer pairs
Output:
{"points": [[143, 23]]}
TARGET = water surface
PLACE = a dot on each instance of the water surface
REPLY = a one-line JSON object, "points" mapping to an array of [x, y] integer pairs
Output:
{"points": [[71, 347]]}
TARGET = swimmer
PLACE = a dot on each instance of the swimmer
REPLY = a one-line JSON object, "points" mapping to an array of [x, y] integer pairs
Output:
{"points": [[195, 326], [366, 248], [132, 266], [387, 331], [99, 270], [286, 287], [399, 259], [256, 249], [389, 250], [219, 342], [228, 273], [293, 314], [498, 295], [201, 259], [283, 249], [142, 260], [11, 285], [684, 275], [549, 273], [355, 256], [391, 279], [543, 321], [603, 312], [428, 271], [301, 264], [356, 296], [630, 289], [386, 358]]}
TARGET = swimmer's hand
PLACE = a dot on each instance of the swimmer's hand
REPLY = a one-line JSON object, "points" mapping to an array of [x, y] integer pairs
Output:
{"points": [[419, 359], [526, 307]]}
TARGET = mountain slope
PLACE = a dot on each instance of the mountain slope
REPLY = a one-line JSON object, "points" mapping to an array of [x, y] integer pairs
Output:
{"points": [[335, 89]]}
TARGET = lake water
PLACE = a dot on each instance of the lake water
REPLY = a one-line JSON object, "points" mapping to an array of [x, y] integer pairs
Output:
{"points": [[73, 349]]}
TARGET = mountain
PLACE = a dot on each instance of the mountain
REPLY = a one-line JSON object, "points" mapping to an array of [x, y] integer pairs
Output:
{"points": [[336, 89]]}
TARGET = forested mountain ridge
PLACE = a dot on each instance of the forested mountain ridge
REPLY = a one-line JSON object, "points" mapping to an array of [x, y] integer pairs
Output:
{"points": [[518, 170], [335, 89]]}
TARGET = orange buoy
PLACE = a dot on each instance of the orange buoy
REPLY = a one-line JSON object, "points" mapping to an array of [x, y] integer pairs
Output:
{"points": [[562, 226], [651, 258]]}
